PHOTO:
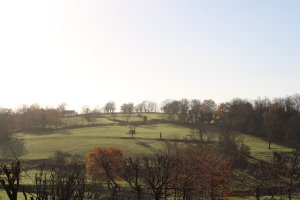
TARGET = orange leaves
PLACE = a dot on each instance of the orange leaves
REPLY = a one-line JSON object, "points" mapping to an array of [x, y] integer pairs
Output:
{"points": [[190, 169], [104, 163], [201, 170]]}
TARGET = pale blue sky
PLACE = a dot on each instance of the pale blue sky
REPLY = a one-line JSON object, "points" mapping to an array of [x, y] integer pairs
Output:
{"points": [[88, 52]]}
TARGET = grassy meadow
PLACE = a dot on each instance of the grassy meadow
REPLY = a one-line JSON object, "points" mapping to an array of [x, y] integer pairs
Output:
{"points": [[81, 140], [109, 133]]}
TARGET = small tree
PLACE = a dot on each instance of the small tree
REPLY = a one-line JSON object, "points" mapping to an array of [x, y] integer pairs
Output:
{"points": [[132, 130]]}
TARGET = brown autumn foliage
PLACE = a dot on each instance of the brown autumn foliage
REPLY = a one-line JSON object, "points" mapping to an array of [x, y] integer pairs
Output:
{"points": [[104, 163], [219, 178], [200, 170], [189, 170]]}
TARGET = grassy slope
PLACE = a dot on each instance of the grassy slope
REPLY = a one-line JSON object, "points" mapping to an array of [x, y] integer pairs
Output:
{"points": [[81, 140], [259, 147], [146, 141], [79, 120]]}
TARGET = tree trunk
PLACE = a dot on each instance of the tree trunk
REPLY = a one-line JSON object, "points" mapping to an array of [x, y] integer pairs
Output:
{"points": [[257, 195], [139, 196], [157, 196], [290, 193]]}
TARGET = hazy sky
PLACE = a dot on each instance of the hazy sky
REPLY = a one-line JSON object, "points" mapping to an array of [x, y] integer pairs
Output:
{"points": [[91, 51]]}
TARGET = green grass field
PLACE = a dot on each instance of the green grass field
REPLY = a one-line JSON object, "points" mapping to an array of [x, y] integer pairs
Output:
{"points": [[136, 118], [108, 119], [81, 140], [259, 148], [79, 120], [112, 134]]}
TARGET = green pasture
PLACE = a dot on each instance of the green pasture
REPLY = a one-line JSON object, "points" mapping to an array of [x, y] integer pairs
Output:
{"points": [[81, 140], [259, 147], [42, 145], [111, 134], [130, 118], [109, 118], [79, 120], [136, 117]]}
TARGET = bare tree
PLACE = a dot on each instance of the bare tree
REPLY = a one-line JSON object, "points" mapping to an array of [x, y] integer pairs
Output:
{"points": [[157, 173], [132, 169], [64, 181], [127, 109], [132, 130], [256, 181], [10, 178], [151, 106], [110, 107], [292, 173]]}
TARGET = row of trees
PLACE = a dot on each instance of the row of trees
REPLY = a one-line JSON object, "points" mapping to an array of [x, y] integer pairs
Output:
{"points": [[193, 111], [180, 172], [177, 173], [36, 116], [28, 117], [143, 107], [280, 178], [276, 120]]}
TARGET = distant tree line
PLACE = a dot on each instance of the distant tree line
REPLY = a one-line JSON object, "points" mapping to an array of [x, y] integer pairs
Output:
{"points": [[29, 117], [275, 120], [189, 111]]}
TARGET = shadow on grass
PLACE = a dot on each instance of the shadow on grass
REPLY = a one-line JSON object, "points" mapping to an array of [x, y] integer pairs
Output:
{"points": [[149, 127], [145, 145]]}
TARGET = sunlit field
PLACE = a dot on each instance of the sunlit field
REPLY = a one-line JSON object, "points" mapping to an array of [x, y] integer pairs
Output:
{"points": [[41, 145], [81, 140]]}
